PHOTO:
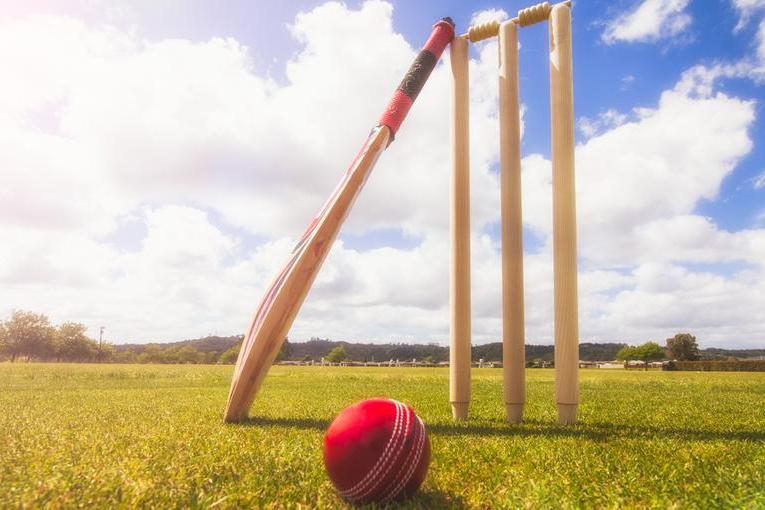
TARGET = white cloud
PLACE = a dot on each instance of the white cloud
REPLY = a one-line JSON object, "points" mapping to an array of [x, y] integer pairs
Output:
{"points": [[746, 8], [112, 124], [761, 43], [654, 168], [223, 167], [488, 15], [627, 82], [608, 119], [669, 297], [638, 186], [650, 20], [759, 181]]}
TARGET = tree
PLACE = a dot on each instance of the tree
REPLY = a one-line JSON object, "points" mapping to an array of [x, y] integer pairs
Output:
{"points": [[71, 343], [106, 352], [126, 356], [647, 352], [152, 354], [337, 354], [167, 355], [187, 354], [627, 353], [208, 358], [285, 351], [650, 351], [683, 347], [30, 334], [229, 356], [3, 340]]}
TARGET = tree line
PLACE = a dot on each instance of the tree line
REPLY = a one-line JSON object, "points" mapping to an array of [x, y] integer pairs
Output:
{"points": [[681, 347], [32, 336]]}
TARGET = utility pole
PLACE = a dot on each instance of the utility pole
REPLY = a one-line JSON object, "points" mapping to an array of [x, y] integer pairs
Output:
{"points": [[100, 342]]}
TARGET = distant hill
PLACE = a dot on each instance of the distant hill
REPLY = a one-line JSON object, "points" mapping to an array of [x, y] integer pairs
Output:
{"points": [[206, 344], [717, 353], [317, 348]]}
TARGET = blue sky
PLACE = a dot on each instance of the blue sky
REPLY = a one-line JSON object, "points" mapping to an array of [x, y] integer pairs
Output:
{"points": [[161, 158]]}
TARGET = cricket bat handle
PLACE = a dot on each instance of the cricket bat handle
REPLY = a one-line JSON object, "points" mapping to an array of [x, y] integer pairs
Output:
{"points": [[415, 78], [283, 298]]}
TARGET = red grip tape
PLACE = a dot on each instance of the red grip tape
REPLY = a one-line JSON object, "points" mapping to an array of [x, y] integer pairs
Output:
{"points": [[396, 111], [442, 34]]}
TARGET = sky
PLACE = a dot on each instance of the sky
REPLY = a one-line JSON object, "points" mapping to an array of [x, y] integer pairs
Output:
{"points": [[158, 161]]}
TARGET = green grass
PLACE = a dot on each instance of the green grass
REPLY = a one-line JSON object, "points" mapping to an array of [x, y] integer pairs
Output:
{"points": [[152, 436]]}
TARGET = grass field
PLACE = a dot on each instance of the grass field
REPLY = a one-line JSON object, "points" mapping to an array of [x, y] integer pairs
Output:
{"points": [[152, 436]]}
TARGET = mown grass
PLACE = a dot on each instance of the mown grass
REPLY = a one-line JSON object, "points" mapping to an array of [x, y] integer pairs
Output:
{"points": [[152, 436]]}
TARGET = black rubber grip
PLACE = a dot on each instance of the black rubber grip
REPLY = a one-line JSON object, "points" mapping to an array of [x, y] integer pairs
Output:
{"points": [[418, 74]]}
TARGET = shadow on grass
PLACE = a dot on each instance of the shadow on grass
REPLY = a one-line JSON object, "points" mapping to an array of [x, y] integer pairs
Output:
{"points": [[529, 428], [424, 498], [652, 432], [596, 431], [431, 498], [295, 423]]}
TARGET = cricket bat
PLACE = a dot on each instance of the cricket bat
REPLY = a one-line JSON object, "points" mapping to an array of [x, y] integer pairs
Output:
{"points": [[280, 304]]}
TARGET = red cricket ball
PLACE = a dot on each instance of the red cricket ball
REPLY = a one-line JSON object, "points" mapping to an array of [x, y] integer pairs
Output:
{"points": [[377, 450]]}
